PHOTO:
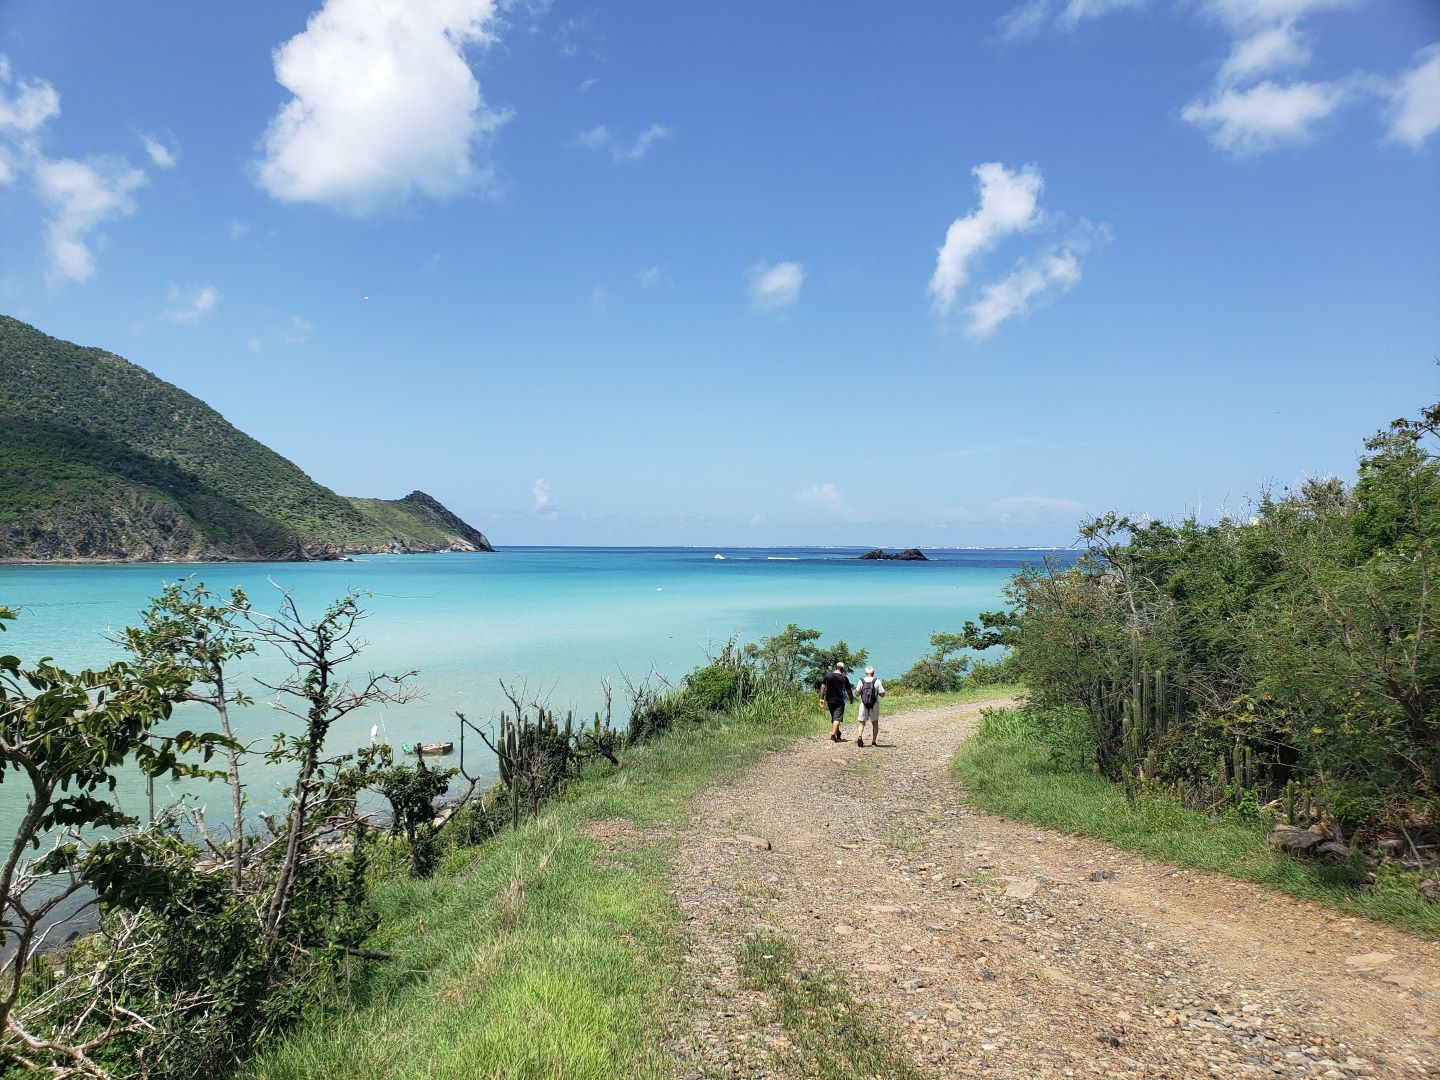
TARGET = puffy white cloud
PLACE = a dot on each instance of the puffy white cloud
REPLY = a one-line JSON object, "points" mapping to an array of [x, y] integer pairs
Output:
{"points": [[775, 287], [600, 137], [385, 105], [649, 277], [1273, 48], [163, 156], [1414, 112], [543, 504], [27, 108], [1019, 292], [82, 195], [826, 499], [1265, 115], [1008, 203], [188, 306]]}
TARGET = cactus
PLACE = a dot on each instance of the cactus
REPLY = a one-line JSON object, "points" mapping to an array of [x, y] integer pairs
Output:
{"points": [[1289, 802], [1237, 762]]}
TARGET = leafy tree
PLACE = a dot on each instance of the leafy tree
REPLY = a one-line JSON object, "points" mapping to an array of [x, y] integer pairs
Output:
{"points": [[67, 738]]}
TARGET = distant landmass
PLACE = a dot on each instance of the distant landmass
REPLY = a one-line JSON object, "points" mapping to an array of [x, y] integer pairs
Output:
{"points": [[101, 460]]}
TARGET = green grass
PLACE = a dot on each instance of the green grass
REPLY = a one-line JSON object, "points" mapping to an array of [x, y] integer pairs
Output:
{"points": [[1009, 772], [830, 1033], [553, 951]]}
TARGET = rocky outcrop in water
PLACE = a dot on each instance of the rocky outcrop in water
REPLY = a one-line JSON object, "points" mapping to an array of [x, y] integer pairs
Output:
{"points": [[908, 555]]}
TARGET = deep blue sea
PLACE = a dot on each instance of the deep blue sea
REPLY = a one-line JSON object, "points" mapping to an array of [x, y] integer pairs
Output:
{"points": [[558, 621]]}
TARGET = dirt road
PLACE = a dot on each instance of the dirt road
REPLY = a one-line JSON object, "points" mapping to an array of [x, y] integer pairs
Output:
{"points": [[989, 948]]}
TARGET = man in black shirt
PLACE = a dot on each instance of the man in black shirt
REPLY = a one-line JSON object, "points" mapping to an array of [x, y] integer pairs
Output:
{"points": [[835, 691]]}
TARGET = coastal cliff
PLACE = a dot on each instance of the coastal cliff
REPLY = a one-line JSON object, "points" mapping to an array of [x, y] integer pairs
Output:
{"points": [[101, 460]]}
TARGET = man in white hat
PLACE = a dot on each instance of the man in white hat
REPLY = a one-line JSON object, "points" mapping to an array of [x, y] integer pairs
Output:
{"points": [[870, 691]]}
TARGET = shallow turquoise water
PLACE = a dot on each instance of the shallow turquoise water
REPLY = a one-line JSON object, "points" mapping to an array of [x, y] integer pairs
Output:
{"points": [[559, 620]]}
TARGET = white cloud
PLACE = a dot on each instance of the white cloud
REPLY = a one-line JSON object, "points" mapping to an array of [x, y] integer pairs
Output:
{"points": [[595, 138], [826, 499], [1008, 203], [293, 331], [1019, 292], [82, 195], [1026, 20], [1077, 11], [599, 137], [543, 505], [1029, 18], [641, 146], [188, 306], [587, 85], [23, 112], [163, 156], [296, 331], [29, 107], [1265, 115], [775, 287], [385, 105], [648, 278], [1273, 48], [1414, 113], [1246, 16]]}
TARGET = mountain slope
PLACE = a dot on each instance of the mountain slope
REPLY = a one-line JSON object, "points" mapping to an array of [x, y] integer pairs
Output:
{"points": [[101, 459]]}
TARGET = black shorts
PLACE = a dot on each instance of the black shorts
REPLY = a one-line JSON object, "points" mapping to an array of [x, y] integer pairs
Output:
{"points": [[837, 711]]}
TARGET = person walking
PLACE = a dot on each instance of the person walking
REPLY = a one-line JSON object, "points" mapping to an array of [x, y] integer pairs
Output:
{"points": [[835, 690], [870, 690]]}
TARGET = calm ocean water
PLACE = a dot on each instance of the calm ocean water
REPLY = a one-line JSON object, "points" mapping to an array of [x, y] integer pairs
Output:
{"points": [[559, 620]]}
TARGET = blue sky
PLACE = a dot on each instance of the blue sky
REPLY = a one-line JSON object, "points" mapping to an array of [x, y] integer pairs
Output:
{"points": [[752, 273]]}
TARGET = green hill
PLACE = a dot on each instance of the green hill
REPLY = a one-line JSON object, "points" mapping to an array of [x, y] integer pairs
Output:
{"points": [[99, 459]]}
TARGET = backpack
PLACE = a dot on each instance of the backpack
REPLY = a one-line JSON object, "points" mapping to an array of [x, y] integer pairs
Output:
{"points": [[869, 693]]}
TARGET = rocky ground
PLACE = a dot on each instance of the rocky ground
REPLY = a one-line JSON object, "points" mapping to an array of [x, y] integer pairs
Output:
{"points": [[983, 947]]}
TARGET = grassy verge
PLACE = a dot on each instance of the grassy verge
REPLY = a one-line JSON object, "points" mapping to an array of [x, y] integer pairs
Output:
{"points": [[829, 1031], [553, 951], [1009, 771]]}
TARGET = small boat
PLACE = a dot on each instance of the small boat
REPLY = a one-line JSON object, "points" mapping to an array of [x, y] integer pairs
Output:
{"points": [[429, 749], [720, 557]]}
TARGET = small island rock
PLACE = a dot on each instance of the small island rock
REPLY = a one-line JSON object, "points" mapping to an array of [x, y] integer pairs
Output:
{"points": [[908, 555]]}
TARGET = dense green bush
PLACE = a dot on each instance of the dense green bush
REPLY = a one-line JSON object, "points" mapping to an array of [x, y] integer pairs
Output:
{"points": [[1289, 653]]}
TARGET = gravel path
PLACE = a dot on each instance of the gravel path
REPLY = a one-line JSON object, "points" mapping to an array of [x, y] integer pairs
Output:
{"points": [[991, 948]]}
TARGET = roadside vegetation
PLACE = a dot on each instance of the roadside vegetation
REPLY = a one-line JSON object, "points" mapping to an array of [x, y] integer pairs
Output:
{"points": [[1193, 687], [521, 929]]}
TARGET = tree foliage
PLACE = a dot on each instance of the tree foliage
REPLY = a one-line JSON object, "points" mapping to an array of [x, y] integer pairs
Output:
{"points": [[1295, 646]]}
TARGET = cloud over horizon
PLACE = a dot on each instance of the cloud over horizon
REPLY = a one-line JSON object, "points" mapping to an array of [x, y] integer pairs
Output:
{"points": [[826, 499], [385, 105]]}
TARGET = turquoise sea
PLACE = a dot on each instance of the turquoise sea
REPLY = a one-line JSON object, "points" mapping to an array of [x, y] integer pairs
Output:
{"points": [[558, 621]]}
